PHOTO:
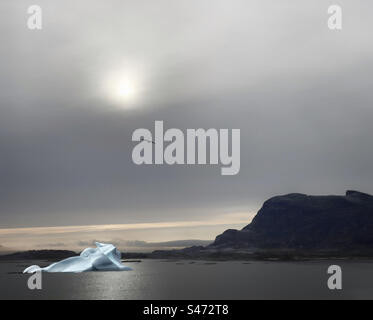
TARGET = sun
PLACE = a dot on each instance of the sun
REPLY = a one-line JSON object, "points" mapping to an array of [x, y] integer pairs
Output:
{"points": [[122, 88], [124, 91]]}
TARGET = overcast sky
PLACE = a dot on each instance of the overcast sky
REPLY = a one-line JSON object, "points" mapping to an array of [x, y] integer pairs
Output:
{"points": [[300, 93]]}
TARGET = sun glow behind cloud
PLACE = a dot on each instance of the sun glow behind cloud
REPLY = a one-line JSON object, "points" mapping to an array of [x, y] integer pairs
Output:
{"points": [[124, 87]]}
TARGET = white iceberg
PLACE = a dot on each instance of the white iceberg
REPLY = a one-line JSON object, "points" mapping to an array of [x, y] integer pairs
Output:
{"points": [[103, 258]]}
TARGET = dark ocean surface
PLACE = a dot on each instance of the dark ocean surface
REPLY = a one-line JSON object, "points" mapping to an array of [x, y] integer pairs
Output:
{"points": [[171, 279]]}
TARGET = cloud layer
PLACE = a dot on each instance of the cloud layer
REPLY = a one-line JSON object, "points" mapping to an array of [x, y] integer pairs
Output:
{"points": [[300, 93]]}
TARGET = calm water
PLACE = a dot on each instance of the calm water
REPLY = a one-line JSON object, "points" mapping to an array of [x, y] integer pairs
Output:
{"points": [[154, 279]]}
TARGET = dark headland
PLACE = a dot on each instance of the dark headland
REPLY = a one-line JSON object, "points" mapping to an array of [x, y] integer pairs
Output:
{"points": [[292, 227], [297, 226]]}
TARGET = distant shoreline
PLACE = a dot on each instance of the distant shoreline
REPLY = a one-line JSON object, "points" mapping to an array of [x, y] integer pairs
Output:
{"points": [[203, 254]]}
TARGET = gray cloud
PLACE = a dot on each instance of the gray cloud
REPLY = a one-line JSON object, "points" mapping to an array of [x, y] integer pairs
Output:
{"points": [[299, 93]]}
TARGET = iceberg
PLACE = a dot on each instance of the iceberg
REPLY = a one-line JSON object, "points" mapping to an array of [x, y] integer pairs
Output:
{"points": [[105, 257]]}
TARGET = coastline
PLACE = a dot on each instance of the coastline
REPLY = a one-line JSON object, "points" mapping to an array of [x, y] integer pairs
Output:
{"points": [[204, 255]]}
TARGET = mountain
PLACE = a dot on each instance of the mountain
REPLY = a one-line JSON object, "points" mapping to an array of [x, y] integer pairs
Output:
{"points": [[39, 254], [303, 222]]}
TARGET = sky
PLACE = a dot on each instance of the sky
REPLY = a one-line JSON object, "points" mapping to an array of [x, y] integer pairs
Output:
{"points": [[300, 94]]}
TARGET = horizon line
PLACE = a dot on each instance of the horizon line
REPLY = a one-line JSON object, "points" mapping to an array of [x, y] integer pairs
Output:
{"points": [[240, 218]]}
